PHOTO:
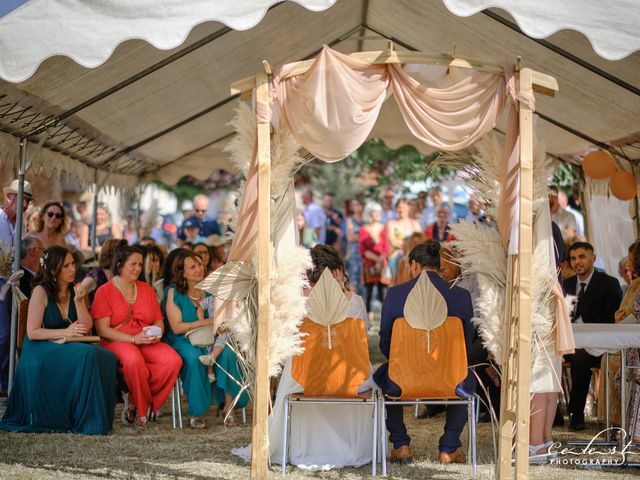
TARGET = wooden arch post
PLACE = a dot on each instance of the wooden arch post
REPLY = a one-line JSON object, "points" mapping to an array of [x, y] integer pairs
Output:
{"points": [[260, 432], [516, 363]]}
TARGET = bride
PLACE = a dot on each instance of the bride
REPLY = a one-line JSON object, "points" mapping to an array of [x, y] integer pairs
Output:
{"points": [[321, 436]]}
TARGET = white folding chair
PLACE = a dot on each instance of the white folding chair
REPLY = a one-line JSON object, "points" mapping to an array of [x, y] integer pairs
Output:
{"points": [[470, 402], [291, 400]]}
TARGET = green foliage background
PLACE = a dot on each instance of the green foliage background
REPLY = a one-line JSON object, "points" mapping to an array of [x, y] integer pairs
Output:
{"points": [[370, 169], [365, 173]]}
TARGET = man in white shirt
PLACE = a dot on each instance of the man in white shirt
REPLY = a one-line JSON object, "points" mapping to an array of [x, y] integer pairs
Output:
{"points": [[388, 209], [9, 210], [314, 216], [563, 200], [565, 220]]}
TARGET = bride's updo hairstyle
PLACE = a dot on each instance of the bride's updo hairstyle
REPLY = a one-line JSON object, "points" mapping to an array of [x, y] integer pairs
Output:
{"points": [[427, 254]]}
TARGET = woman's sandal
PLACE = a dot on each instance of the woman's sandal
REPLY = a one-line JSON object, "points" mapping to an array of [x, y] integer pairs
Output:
{"points": [[128, 416], [230, 422], [140, 422], [207, 360], [197, 423]]}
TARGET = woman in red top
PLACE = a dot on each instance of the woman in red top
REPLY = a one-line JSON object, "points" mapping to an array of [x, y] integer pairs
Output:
{"points": [[128, 318], [374, 250]]}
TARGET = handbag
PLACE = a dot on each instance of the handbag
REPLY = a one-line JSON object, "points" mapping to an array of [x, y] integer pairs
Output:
{"points": [[385, 274], [201, 336]]}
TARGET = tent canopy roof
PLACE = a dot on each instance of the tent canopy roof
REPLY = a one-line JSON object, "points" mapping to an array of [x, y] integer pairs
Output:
{"points": [[146, 113]]}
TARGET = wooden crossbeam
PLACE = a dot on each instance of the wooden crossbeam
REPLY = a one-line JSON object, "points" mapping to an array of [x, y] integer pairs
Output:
{"points": [[541, 82]]}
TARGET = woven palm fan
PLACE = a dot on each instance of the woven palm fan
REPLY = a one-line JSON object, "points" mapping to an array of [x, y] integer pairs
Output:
{"points": [[327, 304], [425, 308], [233, 281]]}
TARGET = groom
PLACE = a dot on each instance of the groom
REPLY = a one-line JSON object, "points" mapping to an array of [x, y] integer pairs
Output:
{"points": [[425, 257]]}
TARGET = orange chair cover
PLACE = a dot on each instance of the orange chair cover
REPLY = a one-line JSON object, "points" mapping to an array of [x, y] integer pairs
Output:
{"points": [[335, 372], [423, 374]]}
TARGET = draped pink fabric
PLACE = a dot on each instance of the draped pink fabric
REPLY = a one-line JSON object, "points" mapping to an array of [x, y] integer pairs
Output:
{"points": [[565, 342], [449, 118], [332, 108], [510, 181], [246, 234]]}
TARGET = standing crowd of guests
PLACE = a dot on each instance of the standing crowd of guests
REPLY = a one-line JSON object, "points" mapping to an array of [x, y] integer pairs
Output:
{"points": [[374, 238]]}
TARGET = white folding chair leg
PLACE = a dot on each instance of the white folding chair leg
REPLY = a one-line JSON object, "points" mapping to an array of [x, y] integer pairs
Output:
{"points": [[244, 415], [285, 435], [417, 410], [176, 405], [474, 464], [173, 407], [471, 454], [383, 436], [179, 391], [374, 459]]}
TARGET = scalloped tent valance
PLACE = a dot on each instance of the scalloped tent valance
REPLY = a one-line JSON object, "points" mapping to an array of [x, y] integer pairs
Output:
{"points": [[89, 31], [155, 114]]}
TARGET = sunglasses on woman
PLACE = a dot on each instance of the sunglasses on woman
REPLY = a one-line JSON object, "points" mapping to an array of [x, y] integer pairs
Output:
{"points": [[54, 214]]}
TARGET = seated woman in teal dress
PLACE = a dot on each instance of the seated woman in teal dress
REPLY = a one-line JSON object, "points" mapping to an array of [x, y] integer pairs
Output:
{"points": [[68, 387], [180, 306]]}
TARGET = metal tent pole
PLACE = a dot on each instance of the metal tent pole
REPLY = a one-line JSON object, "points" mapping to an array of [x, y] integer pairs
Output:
{"points": [[17, 239], [94, 214]]}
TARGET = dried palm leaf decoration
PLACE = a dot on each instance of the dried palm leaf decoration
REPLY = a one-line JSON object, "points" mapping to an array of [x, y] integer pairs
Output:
{"points": [[425, 308], [327, 304]]}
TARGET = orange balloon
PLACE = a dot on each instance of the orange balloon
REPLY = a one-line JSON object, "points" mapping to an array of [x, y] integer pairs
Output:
{"points": [[599, 165], [623, 185]]}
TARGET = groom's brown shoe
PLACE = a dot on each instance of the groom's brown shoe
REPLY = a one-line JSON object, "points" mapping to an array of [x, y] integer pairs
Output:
{"points": [[453, 457], [402, 454]]}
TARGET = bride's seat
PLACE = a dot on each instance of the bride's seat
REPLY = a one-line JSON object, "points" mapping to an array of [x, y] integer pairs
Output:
{"points": [[335, 362]]}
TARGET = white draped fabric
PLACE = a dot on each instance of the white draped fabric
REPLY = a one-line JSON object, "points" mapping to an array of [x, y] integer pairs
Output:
{"points": [[611, 229]]}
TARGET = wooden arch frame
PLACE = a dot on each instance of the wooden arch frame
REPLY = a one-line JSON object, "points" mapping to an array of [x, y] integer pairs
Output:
{"points": [[516, 364]]}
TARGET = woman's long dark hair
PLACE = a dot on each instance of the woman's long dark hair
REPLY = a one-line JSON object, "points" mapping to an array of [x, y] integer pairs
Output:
{"points": [[50, 267], [178, 269], [167, 269], [43, 212], [151, 250], [325, 256]]}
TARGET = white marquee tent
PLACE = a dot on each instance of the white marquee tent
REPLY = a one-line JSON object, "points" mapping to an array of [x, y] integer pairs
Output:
{"points": [[123, 92], [138, 90]]}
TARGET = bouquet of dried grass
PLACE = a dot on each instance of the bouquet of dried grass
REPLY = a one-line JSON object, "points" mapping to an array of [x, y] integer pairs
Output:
{"points": [[6, 260]]}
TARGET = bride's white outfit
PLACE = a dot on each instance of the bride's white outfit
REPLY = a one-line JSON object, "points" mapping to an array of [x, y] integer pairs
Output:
{"points": [[321, 436]]}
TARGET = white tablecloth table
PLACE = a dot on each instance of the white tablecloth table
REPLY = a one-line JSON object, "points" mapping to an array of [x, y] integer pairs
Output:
{"points": [[605, 338], [600, 338]]}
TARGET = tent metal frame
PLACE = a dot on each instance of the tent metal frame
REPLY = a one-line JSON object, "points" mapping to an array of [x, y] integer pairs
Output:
{"points": [[516, 364]]}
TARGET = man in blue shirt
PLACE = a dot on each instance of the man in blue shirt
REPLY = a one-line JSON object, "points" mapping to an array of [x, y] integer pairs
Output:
{"points": [[425, 257], [206, 226]]}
